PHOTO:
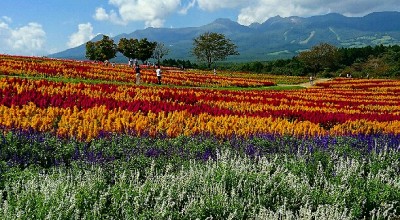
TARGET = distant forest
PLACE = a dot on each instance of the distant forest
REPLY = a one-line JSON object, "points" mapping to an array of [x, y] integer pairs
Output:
{"points": [[366, 62]]}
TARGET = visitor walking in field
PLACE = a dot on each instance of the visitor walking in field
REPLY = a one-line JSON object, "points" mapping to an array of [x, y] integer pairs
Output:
{"points": [[158, 73], [137, 70]]}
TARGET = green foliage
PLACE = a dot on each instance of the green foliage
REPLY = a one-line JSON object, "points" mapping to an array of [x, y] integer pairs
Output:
{"points": [[179, 63], [373, 62], [133, 48], [128, 47], [211, 47], [145, 49], [392, 59], [320, 57], [101, 50], [91, 53]]}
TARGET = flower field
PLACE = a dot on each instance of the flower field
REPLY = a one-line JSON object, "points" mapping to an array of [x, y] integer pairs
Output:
{"points": [[43, 67], [82, 140], [86, 110]]}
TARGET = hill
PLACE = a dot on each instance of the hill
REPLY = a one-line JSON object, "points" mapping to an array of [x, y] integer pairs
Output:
{"points": [[277, 37]]}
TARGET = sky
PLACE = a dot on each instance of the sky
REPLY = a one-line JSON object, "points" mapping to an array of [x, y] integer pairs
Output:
{"points": [[42, 27]]}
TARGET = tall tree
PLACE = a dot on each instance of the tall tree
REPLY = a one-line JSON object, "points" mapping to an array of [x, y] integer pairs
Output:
{"points": [[91, 50], [128, 47], [320, 57], [159, 52], [101, 50], [210, 47], [145, 49]]}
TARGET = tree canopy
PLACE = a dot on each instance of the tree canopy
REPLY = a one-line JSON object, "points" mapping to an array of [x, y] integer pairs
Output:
{"points": [[320, 57], [101, 50], [128, 47], [210, 47], [145, 49], [105, 49]]}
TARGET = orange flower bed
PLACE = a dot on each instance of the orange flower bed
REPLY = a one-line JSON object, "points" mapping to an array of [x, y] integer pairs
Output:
{"points": [[84, 110]]}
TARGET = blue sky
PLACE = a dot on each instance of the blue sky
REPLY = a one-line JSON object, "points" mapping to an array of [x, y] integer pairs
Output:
{"points": [[41, 27]]}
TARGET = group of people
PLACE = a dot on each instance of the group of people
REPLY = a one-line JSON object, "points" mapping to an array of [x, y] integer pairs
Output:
{"points": [[135, 64], [106, 62]]}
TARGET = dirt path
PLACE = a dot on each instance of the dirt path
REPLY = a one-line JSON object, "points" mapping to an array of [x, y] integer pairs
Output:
{"points": [[318, 80], [307, 84]]}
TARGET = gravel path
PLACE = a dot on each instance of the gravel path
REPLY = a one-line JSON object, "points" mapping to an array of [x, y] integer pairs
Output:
{"points": [[307, 84], [318, 80]]}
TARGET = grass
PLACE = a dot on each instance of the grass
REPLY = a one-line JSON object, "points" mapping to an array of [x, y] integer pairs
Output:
{"points": [[92, 81], [69, 80]]}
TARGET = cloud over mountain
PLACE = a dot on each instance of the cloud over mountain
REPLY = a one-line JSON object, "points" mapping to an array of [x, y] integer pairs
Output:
{"points": [[154, 12], [84, 34], [277, 37], [29, 38]]}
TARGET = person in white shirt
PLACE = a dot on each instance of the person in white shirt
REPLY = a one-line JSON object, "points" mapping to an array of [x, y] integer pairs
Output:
{"points": [[158, 73]]}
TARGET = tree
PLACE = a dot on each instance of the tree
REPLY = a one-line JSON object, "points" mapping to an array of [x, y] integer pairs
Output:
{"points": [[145, 49], [375, 66], [211, 47], [320, 57], [159, 52], [128, 47], [91, 50], [101, 50]]}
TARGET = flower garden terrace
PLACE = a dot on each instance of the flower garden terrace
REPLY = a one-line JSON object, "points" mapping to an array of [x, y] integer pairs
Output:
{"points": [[84, 110], [111, 149], [121, 73]]}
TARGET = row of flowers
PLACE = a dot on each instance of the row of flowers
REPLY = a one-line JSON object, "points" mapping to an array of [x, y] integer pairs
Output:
{"points": [[392, 86], [279, 79], [43, 67], [318, 105], [84, 110], [89, 123]]}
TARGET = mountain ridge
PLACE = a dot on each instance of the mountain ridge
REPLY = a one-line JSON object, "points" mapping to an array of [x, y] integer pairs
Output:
{"points": [[277, 37]]}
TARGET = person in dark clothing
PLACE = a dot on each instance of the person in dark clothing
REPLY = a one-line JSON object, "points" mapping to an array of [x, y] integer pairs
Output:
{"points": [[137, 70]]}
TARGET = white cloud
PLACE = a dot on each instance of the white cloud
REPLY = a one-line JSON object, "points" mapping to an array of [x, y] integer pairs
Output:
{"points": [[102, 15], [3, 25], [211, 5], [154, 23], [265, 9], [31, 37], [152, 12], [25, 40], [186, 8], [261, 10], [84, 34], [7, 19]]}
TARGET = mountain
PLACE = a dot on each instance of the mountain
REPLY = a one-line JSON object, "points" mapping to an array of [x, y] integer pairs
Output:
{"points": [[277, 37]]}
